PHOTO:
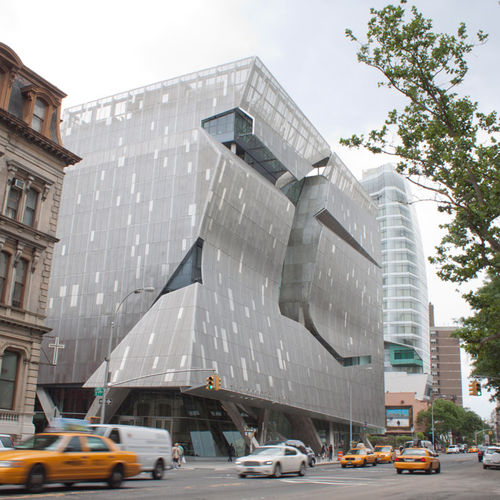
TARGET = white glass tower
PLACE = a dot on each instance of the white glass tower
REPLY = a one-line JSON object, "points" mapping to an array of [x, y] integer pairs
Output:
{"points": [[406, 323]]}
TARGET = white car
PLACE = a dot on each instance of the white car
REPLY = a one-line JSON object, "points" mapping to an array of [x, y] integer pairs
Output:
{"points": [[272, 461], [491, 457], [6, 442], [453, 448]]}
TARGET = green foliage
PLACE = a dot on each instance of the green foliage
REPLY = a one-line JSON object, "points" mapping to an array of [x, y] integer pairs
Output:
{"points": [[444, 143], [450, 418], [480, 333]]}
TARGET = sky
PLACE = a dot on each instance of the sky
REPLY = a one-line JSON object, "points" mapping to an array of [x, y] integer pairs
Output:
{"points": [[92, 49]]}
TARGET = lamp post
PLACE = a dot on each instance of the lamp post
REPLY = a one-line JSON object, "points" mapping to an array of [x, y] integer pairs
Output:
{"points": [[110, 344]]}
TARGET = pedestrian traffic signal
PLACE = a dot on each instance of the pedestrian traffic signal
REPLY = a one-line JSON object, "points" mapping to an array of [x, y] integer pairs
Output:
{"points": [[210, 383], [472, 388], [477, 387]]}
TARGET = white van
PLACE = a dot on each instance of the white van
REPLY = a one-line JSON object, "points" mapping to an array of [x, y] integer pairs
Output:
{"points": [[152, 446]]}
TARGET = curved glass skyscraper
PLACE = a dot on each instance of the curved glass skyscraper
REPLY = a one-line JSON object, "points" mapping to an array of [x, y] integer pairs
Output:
{"points": [[406, 323]]}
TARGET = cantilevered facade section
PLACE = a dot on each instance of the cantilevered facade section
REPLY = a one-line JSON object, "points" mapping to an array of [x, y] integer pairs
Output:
{"points": [[264, 250]]}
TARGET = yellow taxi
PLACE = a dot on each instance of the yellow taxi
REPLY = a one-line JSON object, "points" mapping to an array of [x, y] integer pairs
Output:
{"points": [[358, 456], [385, 453], [412, 459], [473, 449], [67, 458]]}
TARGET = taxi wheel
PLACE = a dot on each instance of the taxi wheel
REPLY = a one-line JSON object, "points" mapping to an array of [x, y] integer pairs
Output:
{"points": [[302, 470], [158, 470], [429, 470], [36, 478], [411, 471], [116, 477], [242, 474], [438, 470], [277, 470], [374, 463], [68, 485], [364, 463], [344, 466], [399, 471]]}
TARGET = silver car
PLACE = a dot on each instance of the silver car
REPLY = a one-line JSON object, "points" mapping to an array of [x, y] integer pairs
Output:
{"points": [[491, 457], [272, 461]]}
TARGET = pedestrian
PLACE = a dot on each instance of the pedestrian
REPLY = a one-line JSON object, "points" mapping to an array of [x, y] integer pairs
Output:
{"points": [[182, 460], [230, 452], [176, 454], [330, 452]]}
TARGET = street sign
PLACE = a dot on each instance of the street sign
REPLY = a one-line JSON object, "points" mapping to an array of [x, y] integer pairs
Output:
{"points": [[108, 401], [98, 391]]}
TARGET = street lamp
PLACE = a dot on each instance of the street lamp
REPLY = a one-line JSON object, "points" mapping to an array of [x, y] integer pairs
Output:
{"points": [[110, 343]]}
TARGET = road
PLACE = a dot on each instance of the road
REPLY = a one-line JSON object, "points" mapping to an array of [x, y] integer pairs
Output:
{"points": [[462, 477]]}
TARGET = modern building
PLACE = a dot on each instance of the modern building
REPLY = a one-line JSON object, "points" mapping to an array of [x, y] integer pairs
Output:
{"points": [[406, 324], [263, 249], [446, 367], [32, 162]]}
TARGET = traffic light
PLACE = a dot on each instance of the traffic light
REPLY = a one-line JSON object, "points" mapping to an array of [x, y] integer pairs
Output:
{"points": [[210, 383], [477, 387], [216, 382], [472, 388]]}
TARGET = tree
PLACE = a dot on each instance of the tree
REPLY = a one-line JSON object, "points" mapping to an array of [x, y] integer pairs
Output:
{"points": [[450, 418], [479, 333], [443, 143]]}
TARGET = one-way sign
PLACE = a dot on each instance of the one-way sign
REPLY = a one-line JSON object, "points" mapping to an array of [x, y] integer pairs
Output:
{"points": [[108, 401]]}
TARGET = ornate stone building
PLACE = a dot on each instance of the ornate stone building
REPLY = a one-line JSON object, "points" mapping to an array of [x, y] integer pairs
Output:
{"points": [[32, 162]]}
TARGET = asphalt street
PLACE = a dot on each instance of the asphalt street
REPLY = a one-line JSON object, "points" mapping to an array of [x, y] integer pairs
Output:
{"points": [[462, 477]]}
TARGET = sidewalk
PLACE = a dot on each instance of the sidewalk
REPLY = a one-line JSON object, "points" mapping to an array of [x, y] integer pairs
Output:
{"points": [[221, 463]]}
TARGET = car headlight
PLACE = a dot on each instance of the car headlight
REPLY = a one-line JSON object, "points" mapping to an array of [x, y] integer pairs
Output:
{"points": [[269, 462], [237, 462], [11, 463]]}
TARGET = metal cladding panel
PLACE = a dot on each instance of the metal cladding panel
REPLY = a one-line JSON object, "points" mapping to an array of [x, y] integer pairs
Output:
{"points": [[151, 183], [281, 125], [333, 280], [238, 329]]}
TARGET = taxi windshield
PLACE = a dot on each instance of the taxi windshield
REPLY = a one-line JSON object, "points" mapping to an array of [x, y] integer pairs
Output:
{"points": [[43, 442], [382, 448], [356, 452]]}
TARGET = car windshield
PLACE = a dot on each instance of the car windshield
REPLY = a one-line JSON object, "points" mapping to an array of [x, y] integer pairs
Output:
{"points": [[267, 451], [44, 442], [382, 448], [356, 452], [413, 452], [6, 441], [490, 451]]}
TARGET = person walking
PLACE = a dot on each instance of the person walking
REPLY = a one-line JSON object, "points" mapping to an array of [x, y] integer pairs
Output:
{"points": [[176, 455], [330, 452], [230, 452], [182, 460]]}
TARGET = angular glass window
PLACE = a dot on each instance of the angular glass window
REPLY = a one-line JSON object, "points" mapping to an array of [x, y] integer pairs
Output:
{"points": [[8, 375], [19, 282], [30, 207], [188, 272]]}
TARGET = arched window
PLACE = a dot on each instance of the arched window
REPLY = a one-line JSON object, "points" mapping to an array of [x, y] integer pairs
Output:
{"points": [[39, 114], [8, 376], [4, 272], [19, 282]]}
